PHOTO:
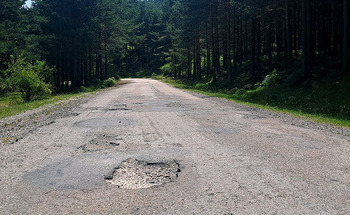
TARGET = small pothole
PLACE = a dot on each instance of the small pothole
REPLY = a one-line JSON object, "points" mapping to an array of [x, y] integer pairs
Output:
{"points": [[134, 174], [101, 142], [104, 123]]}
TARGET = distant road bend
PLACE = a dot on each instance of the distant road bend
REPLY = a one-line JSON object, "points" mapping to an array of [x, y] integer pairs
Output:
{"points": [[149, 148]]}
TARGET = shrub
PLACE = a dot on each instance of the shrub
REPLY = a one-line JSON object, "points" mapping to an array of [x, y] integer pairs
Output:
{"points": [[4, 86], [240, 92], [110, 82], [202, 86], [44, 72], [25, 78], [167, 69], [271, 79], [85, 89]]}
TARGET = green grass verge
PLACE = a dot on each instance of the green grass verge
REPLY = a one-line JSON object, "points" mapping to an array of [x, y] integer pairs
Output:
{"points": [[12, 104], [326, 104]]}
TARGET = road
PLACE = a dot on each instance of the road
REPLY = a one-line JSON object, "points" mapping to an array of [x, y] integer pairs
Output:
{"points": [[201, 155]]}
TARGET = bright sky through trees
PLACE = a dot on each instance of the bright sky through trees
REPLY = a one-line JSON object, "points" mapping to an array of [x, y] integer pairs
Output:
{"points": [[28, 3]]}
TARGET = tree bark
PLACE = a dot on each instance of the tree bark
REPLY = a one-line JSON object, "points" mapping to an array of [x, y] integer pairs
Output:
{"points": [[199, 60], [306, 36], [346, 66], [288, 36], [253, 46], [228, 39], [189, 62]]}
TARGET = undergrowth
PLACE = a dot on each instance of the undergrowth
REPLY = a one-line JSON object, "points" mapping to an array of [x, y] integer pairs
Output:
{"points": [[321, 100]]}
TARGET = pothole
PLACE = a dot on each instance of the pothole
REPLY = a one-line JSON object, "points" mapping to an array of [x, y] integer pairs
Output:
{"points": [[117, 109], [253, 116], [134, 174], [104, 123], [101, 142], [105, 139]]}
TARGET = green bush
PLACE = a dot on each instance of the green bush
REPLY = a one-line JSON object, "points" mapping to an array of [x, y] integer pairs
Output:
{"points": [[202, 86], [271, 79], [44, 72], [5, 85], [85, 89], [240, 92], [25, 78], [110, 82], [167, 69]]}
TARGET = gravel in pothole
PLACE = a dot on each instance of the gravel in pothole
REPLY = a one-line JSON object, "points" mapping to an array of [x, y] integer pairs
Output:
{"points": [[134, 174]]}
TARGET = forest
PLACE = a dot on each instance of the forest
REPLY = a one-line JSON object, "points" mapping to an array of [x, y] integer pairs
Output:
{"points": [[234, 46]]}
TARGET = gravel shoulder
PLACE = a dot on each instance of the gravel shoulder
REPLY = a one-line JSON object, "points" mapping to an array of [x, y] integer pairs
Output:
{"points": [[15, 128]]}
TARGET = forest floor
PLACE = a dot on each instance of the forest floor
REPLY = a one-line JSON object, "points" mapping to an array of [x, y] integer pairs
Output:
{"points": [[322, 102], [148, 148]]}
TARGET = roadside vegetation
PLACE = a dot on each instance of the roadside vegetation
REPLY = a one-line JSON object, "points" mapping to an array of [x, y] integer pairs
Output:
{"points": [[41, 64], [325, 103], [25, 86], [13, 103]]}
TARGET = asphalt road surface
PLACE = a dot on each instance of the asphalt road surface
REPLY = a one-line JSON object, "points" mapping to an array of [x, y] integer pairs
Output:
{"points": [[148, 148]]}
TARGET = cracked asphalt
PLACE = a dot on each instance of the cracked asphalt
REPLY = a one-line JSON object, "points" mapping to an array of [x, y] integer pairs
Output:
{"points": [[233, 159]]}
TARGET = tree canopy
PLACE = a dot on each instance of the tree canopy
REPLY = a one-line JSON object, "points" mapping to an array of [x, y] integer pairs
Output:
{"points": [[231, 41]]}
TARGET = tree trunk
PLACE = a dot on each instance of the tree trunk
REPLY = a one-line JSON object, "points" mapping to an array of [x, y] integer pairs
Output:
{"points": [[215, 35], [217, 43], [106, 60], [194, 58], [208, 51], [346, 66], [310, 44], [253, 46], [288, 36], [306, 36], [198, 56], [189, 62], [228, 41]]}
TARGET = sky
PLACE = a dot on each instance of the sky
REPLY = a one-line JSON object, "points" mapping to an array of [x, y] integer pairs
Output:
{"points": [[29, 3]]}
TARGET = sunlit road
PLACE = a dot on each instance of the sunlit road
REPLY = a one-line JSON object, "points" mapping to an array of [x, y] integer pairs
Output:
{"points": [[231, 159]]}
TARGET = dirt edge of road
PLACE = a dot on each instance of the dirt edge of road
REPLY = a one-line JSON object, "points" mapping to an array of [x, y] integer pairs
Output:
{"points": [[15, 128]]}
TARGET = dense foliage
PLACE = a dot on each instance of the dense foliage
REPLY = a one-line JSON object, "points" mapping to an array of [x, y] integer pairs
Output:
{"points": [[27, 78], [235, 43], [242, 42]]}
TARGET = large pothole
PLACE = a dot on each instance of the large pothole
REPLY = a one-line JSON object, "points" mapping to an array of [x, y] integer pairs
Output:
{"points": [[134, 174]]}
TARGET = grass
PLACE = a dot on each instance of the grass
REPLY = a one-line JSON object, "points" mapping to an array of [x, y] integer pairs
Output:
{"points": [[319, 102], [12, 104]]}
